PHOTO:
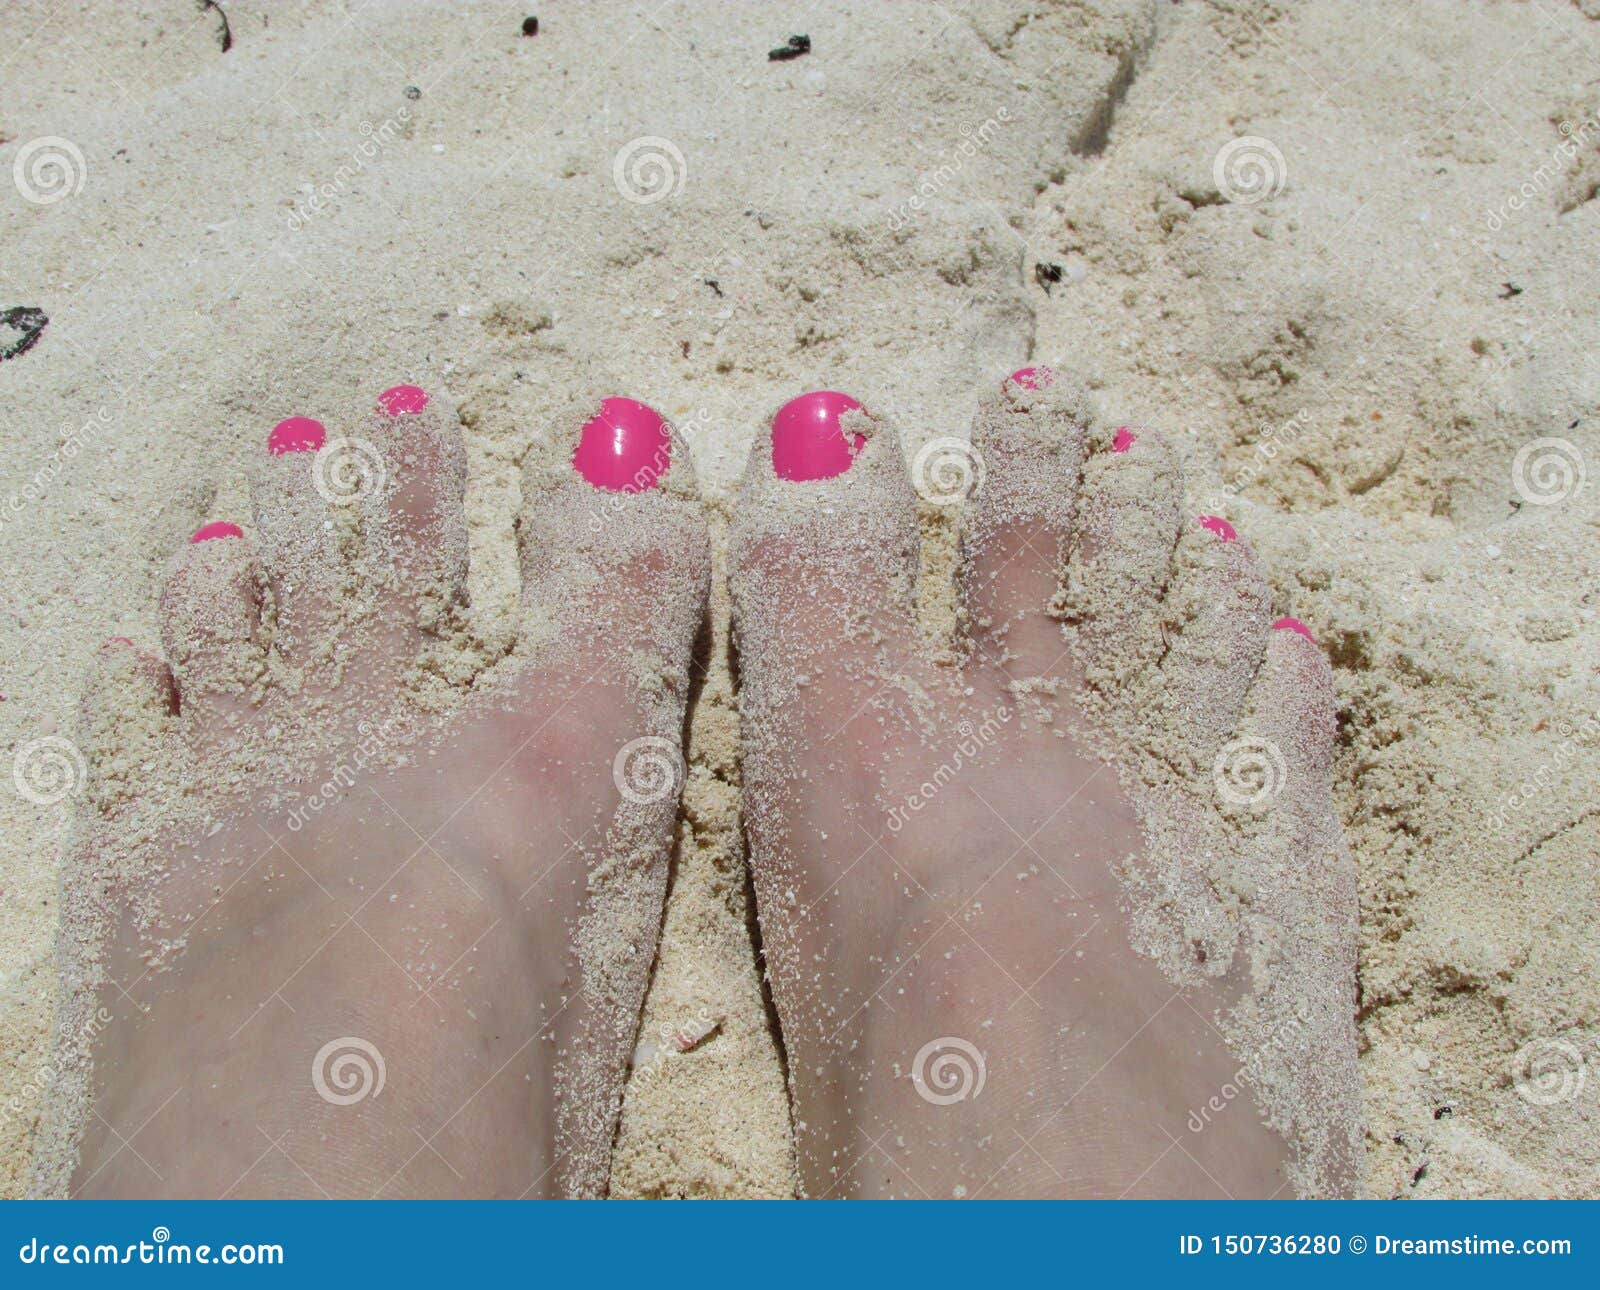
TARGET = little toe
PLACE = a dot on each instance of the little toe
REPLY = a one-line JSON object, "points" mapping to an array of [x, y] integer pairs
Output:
{"points": [[1029, 442], [1214, 622], [1128, 516], [211, 627], [417, 507], [129, 701], [1280, 770]]}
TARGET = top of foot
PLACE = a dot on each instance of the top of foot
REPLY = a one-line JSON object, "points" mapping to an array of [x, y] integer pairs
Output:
{"points": [[1069, 914], [356, 932]]}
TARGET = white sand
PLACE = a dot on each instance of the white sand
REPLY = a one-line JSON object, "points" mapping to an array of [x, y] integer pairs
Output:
{"points": [[281, 229]]}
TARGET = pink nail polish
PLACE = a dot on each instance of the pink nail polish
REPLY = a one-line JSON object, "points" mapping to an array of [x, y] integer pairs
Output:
{"points": [[216, 529], [1216, 524], [1294, 625], [625, 448], [1125, 439], [296, 434], [402, 400], [1034, 378], [807, 441]]}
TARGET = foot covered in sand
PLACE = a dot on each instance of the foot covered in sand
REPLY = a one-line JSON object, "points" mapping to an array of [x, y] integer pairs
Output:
{"points": [[1056, 905], [330, 929]]}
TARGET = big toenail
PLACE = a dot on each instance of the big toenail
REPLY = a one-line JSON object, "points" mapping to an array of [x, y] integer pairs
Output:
{"points": [[625, 448], [1216, 524], [1294, 625], [807, 440], [402, 400], [1034, 378], [216, 529], [296, 434], [1125, 439]]}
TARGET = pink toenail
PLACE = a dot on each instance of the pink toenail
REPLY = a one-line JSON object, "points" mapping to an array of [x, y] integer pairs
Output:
{"points": [[1034, 378], [1125, 439], [216, 529], [625, 448], [807, 442], [402, 400], [1294, 625], [296, 434], [1216, 524]]}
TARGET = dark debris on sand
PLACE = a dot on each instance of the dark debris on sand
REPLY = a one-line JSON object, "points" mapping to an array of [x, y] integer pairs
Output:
{"points": [[28, 322], [225, 32], [793, 48]]}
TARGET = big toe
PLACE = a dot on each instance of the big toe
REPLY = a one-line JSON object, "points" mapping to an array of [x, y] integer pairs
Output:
{"points": [[824, 566], [614, 549]]}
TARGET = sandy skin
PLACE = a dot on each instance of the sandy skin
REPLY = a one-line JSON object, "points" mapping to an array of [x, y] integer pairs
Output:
{"points": [[953, 880], [427, 981], [351, 950]]}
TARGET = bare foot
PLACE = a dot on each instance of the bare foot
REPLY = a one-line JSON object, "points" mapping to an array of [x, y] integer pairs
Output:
{"points": [[319, 940], [1070, 915]]}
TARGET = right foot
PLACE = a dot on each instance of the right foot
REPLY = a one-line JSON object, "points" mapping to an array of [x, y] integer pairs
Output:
{"points": [[316, 943], [1033, 925]]}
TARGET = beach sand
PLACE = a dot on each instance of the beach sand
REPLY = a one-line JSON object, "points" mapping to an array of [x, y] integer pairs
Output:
{"points": [[1344, 254]]}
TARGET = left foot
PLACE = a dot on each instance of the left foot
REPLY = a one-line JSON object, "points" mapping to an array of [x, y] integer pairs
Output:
{"points": [[316, 943]]}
